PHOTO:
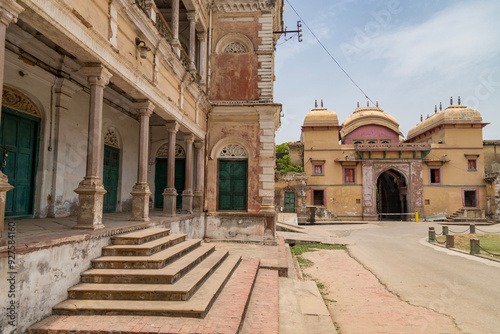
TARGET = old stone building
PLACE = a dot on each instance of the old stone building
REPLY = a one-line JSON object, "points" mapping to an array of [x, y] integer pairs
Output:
{"points": [[139, 106], [362, 169]]}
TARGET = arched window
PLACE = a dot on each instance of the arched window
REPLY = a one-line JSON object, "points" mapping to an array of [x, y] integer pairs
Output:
{"points": [[235, 47], [233, 178]]}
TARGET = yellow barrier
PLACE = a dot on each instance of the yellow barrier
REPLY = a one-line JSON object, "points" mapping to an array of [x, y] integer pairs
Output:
{"points": [[416, 216]]}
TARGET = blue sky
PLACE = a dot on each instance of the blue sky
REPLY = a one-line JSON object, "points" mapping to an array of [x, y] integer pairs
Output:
{"points": [[408, 55]]}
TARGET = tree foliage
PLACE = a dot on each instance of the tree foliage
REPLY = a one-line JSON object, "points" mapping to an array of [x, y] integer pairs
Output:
{"points": [[284, 164]]}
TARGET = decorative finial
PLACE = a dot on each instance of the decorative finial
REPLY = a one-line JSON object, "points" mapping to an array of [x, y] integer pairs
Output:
{"points": [[315, 103], [358, 104], [428, 116], [321, 103], [451, 101], [367, 103], [435, 108], [459, 101], [440, 106], [376, 104], [421, 118]]}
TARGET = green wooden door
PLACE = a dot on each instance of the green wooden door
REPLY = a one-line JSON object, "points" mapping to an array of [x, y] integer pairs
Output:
{"points": [[18, 140], [111, 168], [161, 180], [233, 185], [289, 201]]}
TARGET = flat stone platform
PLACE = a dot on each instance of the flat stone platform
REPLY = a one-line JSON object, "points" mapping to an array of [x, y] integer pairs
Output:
{"points": [[35, 234]]}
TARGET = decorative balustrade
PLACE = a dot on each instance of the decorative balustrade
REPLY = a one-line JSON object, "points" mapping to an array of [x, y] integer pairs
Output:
{"points": [[393, 147], [165, 31]]}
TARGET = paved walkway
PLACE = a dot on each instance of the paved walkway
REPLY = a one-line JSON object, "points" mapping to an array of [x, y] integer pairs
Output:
{"points": [[363, 305]]}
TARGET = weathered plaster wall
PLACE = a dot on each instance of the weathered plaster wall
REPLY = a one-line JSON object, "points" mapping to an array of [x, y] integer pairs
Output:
{"points": [[45, 275], [235, 226], [234, 75], [491, 156]]}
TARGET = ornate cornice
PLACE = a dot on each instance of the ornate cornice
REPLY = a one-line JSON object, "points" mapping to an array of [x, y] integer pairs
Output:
{"points": [[243, 6], [9, 11]]}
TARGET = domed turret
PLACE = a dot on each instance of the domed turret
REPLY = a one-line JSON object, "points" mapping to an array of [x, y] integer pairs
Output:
{"points": [[454, 114], [320, 116], [369, 116]]}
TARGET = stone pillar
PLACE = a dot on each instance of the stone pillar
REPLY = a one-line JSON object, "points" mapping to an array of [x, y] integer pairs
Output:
{"points": [[170, 194], [140, 193], [9, 11], [175, 27], [202, 37], [369, 191], [187, 194], [192, 39], [91, 190], [200, 176]]}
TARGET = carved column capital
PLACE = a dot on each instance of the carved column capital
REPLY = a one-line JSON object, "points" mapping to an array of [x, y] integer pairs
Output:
{"points": [[199, 144], [97, 74], [191, 16], [202, 36], [189, 138], [144, 108], [172, 126], [9, 11]]}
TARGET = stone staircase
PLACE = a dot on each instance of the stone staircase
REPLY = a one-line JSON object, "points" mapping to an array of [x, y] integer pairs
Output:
{"points": [[467, 215], [154, 273]]}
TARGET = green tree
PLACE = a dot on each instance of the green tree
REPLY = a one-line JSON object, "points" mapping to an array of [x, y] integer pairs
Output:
{"points": [[284, 164]]}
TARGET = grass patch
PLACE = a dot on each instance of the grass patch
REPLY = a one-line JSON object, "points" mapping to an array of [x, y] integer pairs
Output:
{"points": [[299, 249], [304, 262], [490, 242]]}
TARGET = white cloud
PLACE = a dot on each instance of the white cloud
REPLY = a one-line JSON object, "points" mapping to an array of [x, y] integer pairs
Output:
{"points": [[453, 40]]}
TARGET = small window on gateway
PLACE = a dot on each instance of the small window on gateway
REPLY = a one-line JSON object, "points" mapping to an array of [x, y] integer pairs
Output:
{"points": [[319, 197], [472, 164], [318, 169], [435, 175]]}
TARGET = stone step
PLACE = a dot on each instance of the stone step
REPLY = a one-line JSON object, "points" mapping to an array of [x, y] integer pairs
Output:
{"points": [[155, 261], [289, 228], [224, 316], [197, 306], [180, 290], [166, 275], [145, 249], [140, 237]]}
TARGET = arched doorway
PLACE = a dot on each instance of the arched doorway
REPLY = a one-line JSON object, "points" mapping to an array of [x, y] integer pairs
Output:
{"points": [[111, 170], [233, 178], [392, 201], [161, 169], [19, 133]]}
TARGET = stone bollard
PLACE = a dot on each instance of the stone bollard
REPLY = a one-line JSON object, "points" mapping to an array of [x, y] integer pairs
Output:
{"points": [[450, 241], [472, 229], [432, 234], [445, 230], [474, 246]]}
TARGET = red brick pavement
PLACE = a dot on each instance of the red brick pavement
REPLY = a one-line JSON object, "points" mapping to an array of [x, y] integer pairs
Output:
{"points": [[225, 316], [263, 310]]}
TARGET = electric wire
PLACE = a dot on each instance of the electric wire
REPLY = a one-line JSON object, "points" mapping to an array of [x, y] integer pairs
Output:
{"points": [[328, 52]]}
